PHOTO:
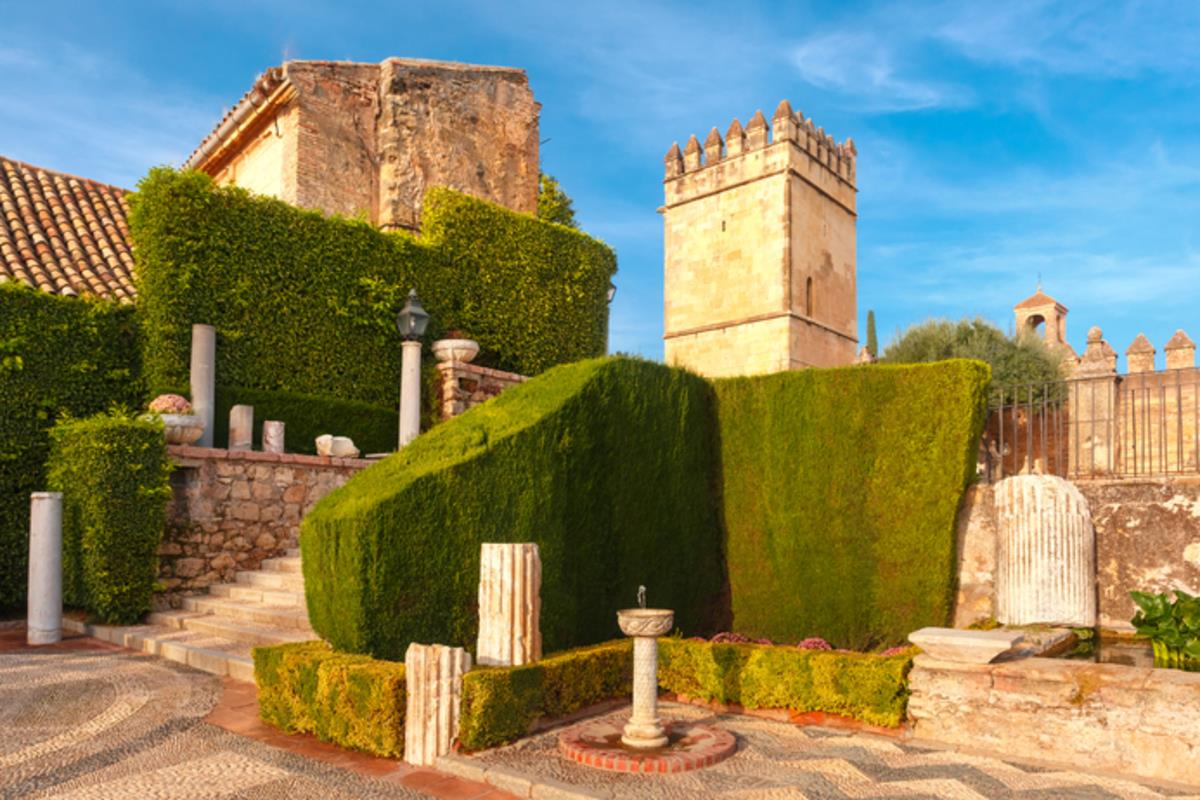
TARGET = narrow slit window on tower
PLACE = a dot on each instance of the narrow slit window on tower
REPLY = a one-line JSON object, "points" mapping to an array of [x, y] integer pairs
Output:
{"points": [[808, 297], [722, 226]]}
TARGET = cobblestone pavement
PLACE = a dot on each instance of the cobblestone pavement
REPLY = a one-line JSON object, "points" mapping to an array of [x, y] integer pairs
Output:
{"points": [[780, 760], [112, 724]]}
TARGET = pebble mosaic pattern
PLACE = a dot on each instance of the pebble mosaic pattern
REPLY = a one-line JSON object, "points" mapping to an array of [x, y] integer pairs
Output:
{"points": [[88, 725], [778, 760]]}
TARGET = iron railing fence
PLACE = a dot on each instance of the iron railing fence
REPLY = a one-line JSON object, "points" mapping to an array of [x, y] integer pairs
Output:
{"points": [[1140, 424]]}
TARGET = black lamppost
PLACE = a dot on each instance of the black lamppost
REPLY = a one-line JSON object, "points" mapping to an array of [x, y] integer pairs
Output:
{"points": [[411, 322]]}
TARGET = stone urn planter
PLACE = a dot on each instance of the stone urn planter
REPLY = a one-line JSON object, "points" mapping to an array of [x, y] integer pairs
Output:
{"points": [[450, 350], [182, 428]]}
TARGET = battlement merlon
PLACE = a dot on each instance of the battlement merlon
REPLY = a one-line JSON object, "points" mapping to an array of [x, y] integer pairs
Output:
{"points": [[791, 144]]}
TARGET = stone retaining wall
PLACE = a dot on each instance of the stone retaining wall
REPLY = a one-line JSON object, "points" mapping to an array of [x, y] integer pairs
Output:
{"points": [[466, 385], [1132, 720], [233, 508]]}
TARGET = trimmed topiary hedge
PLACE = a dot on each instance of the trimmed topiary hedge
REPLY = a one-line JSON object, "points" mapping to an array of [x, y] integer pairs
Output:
{"points": [[500, 704], [374, 429], [863, 686], [352, 701], [841, 488], [58, 355], [609, 465], [307, 304], [114, 474]]}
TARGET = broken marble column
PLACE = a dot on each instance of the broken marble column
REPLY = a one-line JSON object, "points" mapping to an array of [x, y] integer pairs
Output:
{"points": [[510, 583], [1045, 553], [433, 676], [272, 436], [44, 622], [203, 380], [241, 428]]}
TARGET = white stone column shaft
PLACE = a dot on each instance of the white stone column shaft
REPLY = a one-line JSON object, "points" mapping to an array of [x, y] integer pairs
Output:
{"points": [[272, 436], [510, 605], [44, 623], [644, 727], [1045, 553], [410, 392], [433, 676], [241, 428], [203, 379]]}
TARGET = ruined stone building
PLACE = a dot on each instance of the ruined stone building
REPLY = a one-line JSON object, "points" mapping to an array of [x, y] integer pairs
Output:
{"points": [[369, 139], [759, 249]]}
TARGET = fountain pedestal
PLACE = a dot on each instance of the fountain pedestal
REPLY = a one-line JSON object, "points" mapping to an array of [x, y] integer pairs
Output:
{"points": [[644, 729]]}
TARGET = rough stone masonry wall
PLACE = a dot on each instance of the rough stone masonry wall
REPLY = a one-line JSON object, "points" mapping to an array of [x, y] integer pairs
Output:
{"points": [[466, 385], [1131, 720], [234, 508]]}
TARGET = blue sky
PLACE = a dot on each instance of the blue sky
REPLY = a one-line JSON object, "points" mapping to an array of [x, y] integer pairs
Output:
{"points": [[997, 141]]}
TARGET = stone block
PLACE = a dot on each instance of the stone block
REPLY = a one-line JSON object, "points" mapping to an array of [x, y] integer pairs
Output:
{"points": [[510, 580], [433, 678], [966, 646], [241, 427]]}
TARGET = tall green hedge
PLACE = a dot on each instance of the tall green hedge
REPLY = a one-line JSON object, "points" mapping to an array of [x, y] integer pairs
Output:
{"points": [[304, 303], [608, 464], [57, 355], [840, 492], [114, 474]]}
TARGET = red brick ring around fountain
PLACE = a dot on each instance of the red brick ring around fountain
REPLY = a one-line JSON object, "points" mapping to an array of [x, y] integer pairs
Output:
{"points": [[644, 743], [690, 746]]}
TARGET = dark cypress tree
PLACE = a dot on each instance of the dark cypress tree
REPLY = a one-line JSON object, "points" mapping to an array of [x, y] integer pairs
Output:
{"points": [[872, 340]]}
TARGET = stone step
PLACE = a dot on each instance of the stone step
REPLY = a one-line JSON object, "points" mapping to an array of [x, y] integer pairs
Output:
{"points": [[272, 580], [165, 639], [279, 616], [248, 633], [293, 551], [282, 564], [267, 597]]}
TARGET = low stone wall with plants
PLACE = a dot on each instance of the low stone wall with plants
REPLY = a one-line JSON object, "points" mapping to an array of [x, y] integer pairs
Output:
{"points": [[1130, 720], [352, 701], [233, 508]]}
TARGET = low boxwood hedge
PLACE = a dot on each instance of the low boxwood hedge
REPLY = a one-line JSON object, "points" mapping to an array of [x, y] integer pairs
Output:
{"points": [[352, 701], [114, 475], [863, 686], [500, 704]]}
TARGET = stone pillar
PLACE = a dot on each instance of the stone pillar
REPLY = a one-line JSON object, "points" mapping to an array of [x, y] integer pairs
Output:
{"points": [[1140, 355], [44, 623], [241, 428], [272, 436], [410, 392], [1181, 351], [510, 605], [1045, 553], [1093, 410], [433, 676], [203, 379]]}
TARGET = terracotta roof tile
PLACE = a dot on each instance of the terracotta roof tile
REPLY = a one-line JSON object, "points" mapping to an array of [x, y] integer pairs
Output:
{"points": [[1038, 298], [64, 234]]}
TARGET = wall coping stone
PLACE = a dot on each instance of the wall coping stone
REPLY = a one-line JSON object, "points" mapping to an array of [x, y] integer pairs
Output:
{"points": [[182, 453], [476, 369], [965, 646]]}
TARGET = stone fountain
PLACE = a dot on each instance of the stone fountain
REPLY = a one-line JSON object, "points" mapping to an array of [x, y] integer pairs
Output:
{"points": [[645, 744]]}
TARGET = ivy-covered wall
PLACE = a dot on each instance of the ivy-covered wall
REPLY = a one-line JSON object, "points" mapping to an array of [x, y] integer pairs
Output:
{"points": [[307, 304], [58, 355], [840, 489], [609, 465]]}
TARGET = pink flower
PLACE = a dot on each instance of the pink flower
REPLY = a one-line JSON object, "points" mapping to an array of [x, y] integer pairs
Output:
{"points": [[170, 404], [894, 651], [815, 643]]}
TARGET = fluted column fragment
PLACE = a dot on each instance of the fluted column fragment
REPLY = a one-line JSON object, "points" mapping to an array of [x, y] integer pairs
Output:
{"points": [[510, 605], [433, 675]]}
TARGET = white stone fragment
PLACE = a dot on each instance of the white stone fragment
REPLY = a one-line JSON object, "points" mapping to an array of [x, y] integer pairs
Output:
{"points": [[510, 605], [433, 676], [272, 436], [336, 446], [964, 646], [241, 427]]}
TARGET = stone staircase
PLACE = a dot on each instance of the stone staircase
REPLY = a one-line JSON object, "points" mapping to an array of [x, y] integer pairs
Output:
{"points": [[216, 632]]}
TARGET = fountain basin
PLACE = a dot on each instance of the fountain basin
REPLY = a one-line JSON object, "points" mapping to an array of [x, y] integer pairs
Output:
{"points": [[645, 621]]}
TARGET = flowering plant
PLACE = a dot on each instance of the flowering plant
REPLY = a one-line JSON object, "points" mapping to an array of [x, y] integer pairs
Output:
{"points": [[170, 404]]}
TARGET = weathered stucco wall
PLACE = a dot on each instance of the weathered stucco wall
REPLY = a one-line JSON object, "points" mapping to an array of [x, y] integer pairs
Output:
{"points": [[1147, 539], [975, 600], [234, 508], [1131, 720]]}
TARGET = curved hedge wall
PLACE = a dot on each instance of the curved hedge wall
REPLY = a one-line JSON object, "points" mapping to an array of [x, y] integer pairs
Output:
{"points": [[58, 355], [608, 464], [307, 304], [841, 488]]}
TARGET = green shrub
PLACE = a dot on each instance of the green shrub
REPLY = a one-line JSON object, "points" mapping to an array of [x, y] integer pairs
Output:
{"points": [[863, 686], [303, 303], [58, 355], [114, 474], [352, 701], [500, 704], [841, 488], [609, 465], [374, 429]]}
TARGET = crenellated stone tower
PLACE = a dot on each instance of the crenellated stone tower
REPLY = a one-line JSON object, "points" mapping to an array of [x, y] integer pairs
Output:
{"points": [[759, 249]]}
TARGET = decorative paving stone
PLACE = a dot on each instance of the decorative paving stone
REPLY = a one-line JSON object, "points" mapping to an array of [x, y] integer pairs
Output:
{"points": [[689, 746]]}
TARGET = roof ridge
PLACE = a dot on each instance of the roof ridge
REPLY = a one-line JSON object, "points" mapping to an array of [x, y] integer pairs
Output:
{"points": [[36, 168]]}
